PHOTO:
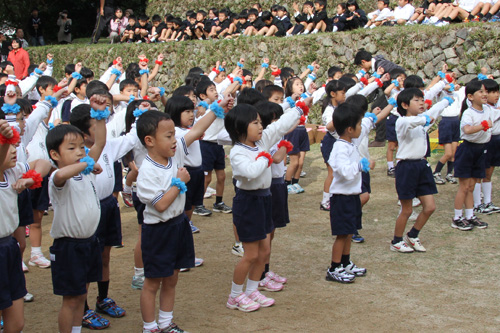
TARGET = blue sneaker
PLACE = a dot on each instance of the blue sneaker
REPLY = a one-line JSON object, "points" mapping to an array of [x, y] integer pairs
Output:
{"points": [[357, 238], [109, 307], [194, 229], [94, 321]]}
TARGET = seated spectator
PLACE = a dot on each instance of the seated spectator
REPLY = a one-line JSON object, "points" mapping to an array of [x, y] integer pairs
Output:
{"points": [[117, 25], [380, 15], [357, 16]]}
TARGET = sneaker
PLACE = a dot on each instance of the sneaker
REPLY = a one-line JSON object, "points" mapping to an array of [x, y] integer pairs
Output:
{"points": [[325, 206], [476, 222], [238, 250], [357, 238], [482, 209], [355, 270], [414, 243], [137, 282], [339, 274], [172, 328], [291, 189], [25, 268], [298, 188], [28, 298], [94, 321], [127, 199], [413, 216], [426, 21], [438, 179], [260, 299], [494, 209], [182, 270], [40, 261], [461, 224], [401, 247], [443, 24], [391, 172], [242, 303], [303, 174], [276, 277], [210, 192], [198, 262], [202, 211], [155, 330], [194, 229], [108, 306], [416, 202], [221, 207], [269, 284], [450, 179], [27, 231]]}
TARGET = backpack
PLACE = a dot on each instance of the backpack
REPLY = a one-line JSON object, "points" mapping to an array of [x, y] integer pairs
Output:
{"points": [[67, 28]]}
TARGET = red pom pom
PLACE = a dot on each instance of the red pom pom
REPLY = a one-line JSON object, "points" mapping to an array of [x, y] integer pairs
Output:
{"points": [[115, 62], [144, 60], [216, 71], [266, 155], [363, 80], [324, 85], [12, 141], [56, 89], [303, 106], [302, 120], [33, 107], [11, 82], [230, 78], [158, 62], [448, 78], [485, 125], [278, 72], [380, 84], [287, 144], [146, 97], [243, 79], [37, 178], [428, 102]]}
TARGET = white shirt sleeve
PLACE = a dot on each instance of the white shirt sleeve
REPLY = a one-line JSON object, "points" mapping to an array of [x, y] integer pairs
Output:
{"points": [[273, 133]]}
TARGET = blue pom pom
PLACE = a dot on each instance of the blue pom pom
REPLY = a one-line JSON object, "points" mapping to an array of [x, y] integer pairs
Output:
{"points": [[90, 164], [239, 80], [14, 108], [51, 126], [362, 72], [365, 164], [162, 91], [131, 99], [179, 184], [144, 71], [86, 150], [449, 99], [290, 101], [371, 116], [138, 112], [38, 71], [427, 120], [441, 74], [377, 75], [392, 101], [310, 67], [312, 76], [50, 61], [304, 96], [76, 75], [116, 72], [452, 87], [221, 69], [203, 104], [481, 77], [395, 82], [52, 100], [100, 114], [217, 110], [264, 65], [240, 65]]}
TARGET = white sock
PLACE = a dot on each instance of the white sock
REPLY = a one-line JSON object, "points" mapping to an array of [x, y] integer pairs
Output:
{"points": [[486, 187], [335, 29], [477, 194], [236, 290], [458, 214], [390, 164], [469, 213], [150, 326], [288, 34], [251, 286], [326, 197], [36, 251], [165, 319], [76, 329], [306, 32], [127, 189], [139, 271], [373, 26], [315, 31]]}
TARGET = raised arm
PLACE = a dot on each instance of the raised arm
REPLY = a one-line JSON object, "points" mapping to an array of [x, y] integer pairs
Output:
{"points": [[98, 103]]}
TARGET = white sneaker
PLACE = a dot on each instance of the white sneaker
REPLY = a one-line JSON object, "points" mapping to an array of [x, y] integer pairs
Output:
{"points": [[292, 189], [40, 261], [198, 262], [298, 188], [25, 268], [433, 20], [414, 243], [29, 298], [426, 21], [416, 202], [353, 269], [303, 174], [238, 250], [401, 247], [413, 216]]}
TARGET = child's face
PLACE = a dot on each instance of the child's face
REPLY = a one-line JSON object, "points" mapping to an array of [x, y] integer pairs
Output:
{"points": [[199, 17], [493, 97], [252, 17], [297, 87], [280, 13], [318, 7], [192, 97], [401, 79], [337, 75], [49, 91], [169, 25], [211, 93], [479, 97], [380, 5], [220, 77], [402, 3], [119, 13], [20, 121], [338, 96], [306, 9], [187, 118], [416, 106], [192, 20], [142, 23], [351, 8], [254, 130], [131, 22], [156, 23], [340, 10], [222, 17], [274, 13], [211, 15], [163, 143], [71, 150], [366, 65], [276, 97], [82, 90], [356, 131], [10, 158], [242, 20]]}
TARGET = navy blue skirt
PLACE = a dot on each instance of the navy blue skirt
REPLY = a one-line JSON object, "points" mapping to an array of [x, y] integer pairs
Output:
{"points": [[252, 214]]}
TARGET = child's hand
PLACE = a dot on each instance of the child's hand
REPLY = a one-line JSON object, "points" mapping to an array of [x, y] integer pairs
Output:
{"points": [[380, 70], [242, 61], [376, 110], [372, 164], [119, 60], [274, 68], [316, 67], [22, 184], [141, 57], [143, 65], [386, 77], [183, 175], [98, 102], [144, 106], [444, 69], [50, 56], [223, 64], [119, 66], [78, 67], [295, 96], [42, 66], [160, 57], [296, 7], [312, 87], [265, 60], [226, 101], [10, 97], [97, 169], [432, 120], [484, 71], [5, 129], [490, 124], [217, 65], [154, 94], [308, 101], [63, 83]]}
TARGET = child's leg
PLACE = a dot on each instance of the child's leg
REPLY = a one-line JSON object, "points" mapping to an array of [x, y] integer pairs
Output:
{"points": [[341, 244], [464, 195], [292, 168], [262, 31], [264, 254], [13, 317], [494, 9], [428, 207], [243, 266], [208, 179], [71, 312], [167, 299], [272, 30], [20, 236], [486, 185], [138, 264], [302, 157], [106, 257], [219, 187], [486, 8], [404, 215], [326, 186], [364, 197], [478, 8], [148, 299], [391, 148]]}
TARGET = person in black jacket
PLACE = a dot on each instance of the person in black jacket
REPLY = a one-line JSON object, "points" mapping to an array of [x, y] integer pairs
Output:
{"points": [[104, 15], [35, 29], [272, 25], [320, 18], [282, 14], [4, 47], [303, 19], [339, 20], [358, 17]]}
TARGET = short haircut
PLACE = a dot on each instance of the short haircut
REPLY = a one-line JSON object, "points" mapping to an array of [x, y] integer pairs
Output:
{"points": [[183, 91], [202, 12], [132, 71], [253, 11], [93, 86], [202, 86], [87, 73], [348, 81], [386, 2], [286, 73], [320, 2], [490, 85], [129, 115], [156, 18], [406, 96], [260, 85], [25, 105], [345, 116], [148, 122], [395, 72], [143, 17], [80, 118], [362, 55], [128, 82], [266, 16], [4, 64], [309, 3], [45, 81], [359, 100], [224, 11], [268, 91], [214, 10], [69, 69], [81, 82], [268, 111], [250, 96], [334, 70], [353, 3], [55, 137], [413, 81], [237, 121], [176, 105]]}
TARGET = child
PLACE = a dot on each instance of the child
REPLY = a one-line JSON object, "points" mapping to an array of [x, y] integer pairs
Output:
{"points": [[345, 212], [273, 26], [75, 254], [413, 173], [377, 17], [320, 18], [475, 131], [282, 14], [254, 23], [401, 14], [222, 28], [128, 33], [340, 20], [358, 17], [303, 19], [80, 94], [117, 25], [143, 29], [253, 211]]}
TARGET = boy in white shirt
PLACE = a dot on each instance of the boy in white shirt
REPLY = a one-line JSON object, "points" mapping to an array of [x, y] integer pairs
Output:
{"points": [[402, 13]]}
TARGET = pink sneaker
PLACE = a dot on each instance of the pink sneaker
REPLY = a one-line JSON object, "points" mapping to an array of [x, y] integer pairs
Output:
{"points": [[276, 277], [40, 261], [269, 284], [264, 301], [127, 199], [242, 303]]}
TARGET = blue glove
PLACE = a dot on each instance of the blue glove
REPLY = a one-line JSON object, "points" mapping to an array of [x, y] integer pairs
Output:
{"points": [[362, 72], [452, 87], [240, 65], [238, 79], [312, 76], [116, 72], [365, 164], [449, 99], [392, 101], [50, 61], [38, 71], [377, 75], [131, 99], [144, 71], [290, 101], [162, 91], [427, 120], [264, 65]]}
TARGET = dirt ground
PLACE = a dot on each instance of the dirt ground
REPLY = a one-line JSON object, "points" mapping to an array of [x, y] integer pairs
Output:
{"points": [[452, 287]]}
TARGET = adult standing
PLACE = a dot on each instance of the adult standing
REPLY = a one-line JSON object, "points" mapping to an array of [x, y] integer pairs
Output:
{"points": [[104, 16], [20, 36], [35, 29], [64, 23], [4, 47], [20, 59]]}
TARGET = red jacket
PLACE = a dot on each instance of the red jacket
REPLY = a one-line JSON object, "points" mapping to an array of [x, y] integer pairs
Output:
{"points": [[21, 61]]}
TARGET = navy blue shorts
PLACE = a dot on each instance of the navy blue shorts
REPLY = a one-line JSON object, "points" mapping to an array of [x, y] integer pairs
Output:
{"points": [[74, 263], [109, 230], [167, 246], [470, 160], [428, 140], [390, 128], [139, 208], [212, 156], [300, 140], [365, 183], [493, 152], [24, 207], [195, 188], [449, 130], [345, 214], [40, 196], [117, 167], [252, 214], [12, 282], [414, 179], [279, 193], [327, 146]]}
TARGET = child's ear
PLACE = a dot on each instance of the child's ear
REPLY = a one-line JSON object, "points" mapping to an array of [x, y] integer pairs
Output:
{"points": [[54, 155], [404, 105], [203, 96], [149, 141]]}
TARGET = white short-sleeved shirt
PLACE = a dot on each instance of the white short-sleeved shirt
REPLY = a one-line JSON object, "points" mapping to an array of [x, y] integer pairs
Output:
{"points": [[474, 117], [36, 148], [277, 169], [8, 199], [193, 154]]}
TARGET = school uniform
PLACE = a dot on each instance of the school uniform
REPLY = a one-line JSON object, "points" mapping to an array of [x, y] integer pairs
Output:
{"points": [[252, 204], [493, 147], [279, 193], [449, 126], [340, 21], [331, 136], [362, 143], [287, 24], [213, 156], [38, 150], [279, 25], [356, 21], [322, 16]]}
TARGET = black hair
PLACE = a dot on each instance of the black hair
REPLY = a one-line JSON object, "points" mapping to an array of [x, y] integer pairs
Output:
{"points": [[177, 21], [93, 86], [321, 3], [286, 73], [80, 118], [214, 10], [348, 81], [114, 12], [282, 8], [69, 69], [253, 11], [413, 81], [395, 72], [129, 115], [246, 72], [308, 3], [143, 17], [224, 11], [250, 96], [128, 82], [189, 12], [192, 16], [470, 89], [345, 116], [55, 137], [343, 5], [268, 111], [260, 85], [4, 64], [202, 86], [270, 90], [289, 85], [258, 5], [79, 83], [490, 85], [176, 105], [333, 70], [31, 68], [132, 17], [202, 12], [147, 124], [359, 100], [406, 96], [274, 8], [156, 18], [25, 105], [266, 16], [17, 40], [237, 121], [386, 2], [332, 86], [194, 79], [353, 3], [362, 55], [45, 81], [132, 71], [183, 91], [87, 73]]}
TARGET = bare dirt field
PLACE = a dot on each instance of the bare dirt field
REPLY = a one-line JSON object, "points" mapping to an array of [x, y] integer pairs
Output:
{"points": [[452, 287]]}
